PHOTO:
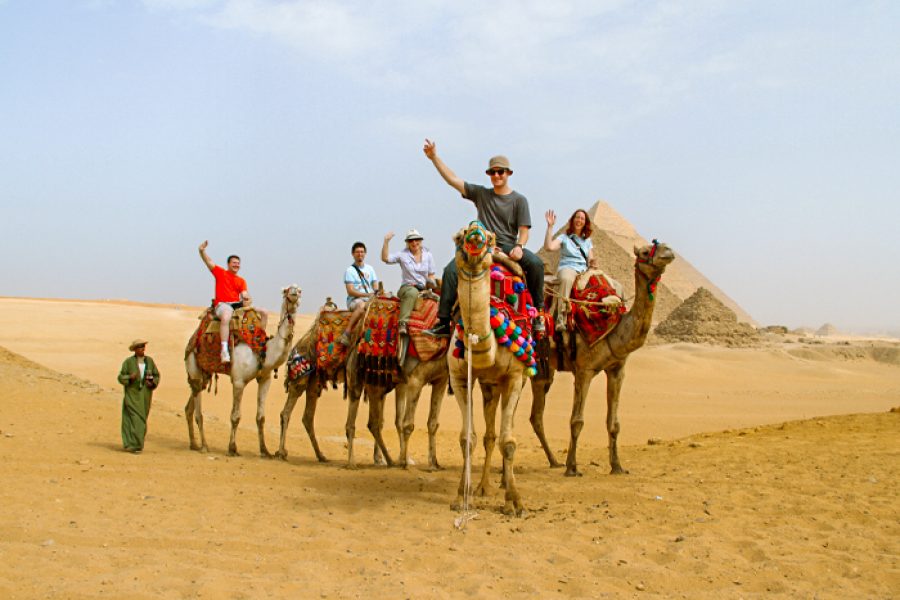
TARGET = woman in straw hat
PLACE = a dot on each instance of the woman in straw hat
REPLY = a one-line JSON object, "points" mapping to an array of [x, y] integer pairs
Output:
{"points": [[417, 272], [139, 376]]}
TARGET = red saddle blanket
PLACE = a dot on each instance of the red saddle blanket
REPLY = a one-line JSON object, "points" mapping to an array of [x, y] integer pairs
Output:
{"points": [[378, 343], [245, 328], [591, 316], [423, 317], [330, 353]]}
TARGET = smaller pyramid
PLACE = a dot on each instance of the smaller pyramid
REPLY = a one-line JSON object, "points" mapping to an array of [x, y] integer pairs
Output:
{"points": [[704, 318], [827, 329]]}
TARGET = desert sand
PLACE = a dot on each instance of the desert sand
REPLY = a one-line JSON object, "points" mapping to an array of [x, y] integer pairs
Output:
{"points": [[773, 470]]}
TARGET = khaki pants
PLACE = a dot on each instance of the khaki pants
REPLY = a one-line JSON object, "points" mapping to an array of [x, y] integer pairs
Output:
{"points": [[566, 281], [408, 295]]}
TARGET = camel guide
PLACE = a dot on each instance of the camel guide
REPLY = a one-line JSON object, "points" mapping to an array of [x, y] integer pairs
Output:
{"points": [[231, 294], [139, 376], [504, 212]]}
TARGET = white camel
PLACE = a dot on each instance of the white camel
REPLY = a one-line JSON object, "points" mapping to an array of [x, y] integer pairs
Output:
{"points": [[246, 365]]}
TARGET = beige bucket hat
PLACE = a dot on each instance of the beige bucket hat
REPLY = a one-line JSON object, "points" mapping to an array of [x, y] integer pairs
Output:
{"points": [[136, 343]]}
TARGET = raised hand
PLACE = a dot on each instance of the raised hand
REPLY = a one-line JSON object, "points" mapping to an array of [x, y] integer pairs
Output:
{"points": [[551, 218], [429, 149]]}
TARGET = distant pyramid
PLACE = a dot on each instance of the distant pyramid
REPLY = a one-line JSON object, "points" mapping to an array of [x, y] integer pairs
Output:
{"points": [[614, 239], [704, 318], [827, 329]]}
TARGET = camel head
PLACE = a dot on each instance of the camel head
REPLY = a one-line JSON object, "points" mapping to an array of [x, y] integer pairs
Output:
{"points": [[652, 259], [474, 247], [291, 296]]}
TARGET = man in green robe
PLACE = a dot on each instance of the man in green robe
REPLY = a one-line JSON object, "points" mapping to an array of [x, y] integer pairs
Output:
{"points": [[139, 376]]}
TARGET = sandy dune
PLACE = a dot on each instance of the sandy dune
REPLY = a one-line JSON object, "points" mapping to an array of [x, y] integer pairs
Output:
{"points": [[780, 499]]}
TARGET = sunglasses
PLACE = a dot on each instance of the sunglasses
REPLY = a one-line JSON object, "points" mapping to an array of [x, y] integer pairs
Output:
{"points": [[496, 171]]}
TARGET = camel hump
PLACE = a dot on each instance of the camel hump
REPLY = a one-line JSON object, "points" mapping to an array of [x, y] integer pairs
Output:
{"points": [[584, 279], [504, 259]]}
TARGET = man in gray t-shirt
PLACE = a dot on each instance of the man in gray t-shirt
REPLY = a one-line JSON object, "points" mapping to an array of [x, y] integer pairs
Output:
{"points": [[503, 211]]}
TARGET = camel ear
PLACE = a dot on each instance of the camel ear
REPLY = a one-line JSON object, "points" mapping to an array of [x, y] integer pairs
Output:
{"points": [[637, 250], [492, 239], [459, 235]]}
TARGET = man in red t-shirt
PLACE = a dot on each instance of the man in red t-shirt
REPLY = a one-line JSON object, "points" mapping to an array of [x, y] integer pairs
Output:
{"points": [[231, 293]]}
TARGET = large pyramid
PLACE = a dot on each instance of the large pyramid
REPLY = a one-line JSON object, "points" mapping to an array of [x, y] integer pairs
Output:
{"points": [[614, 239]]}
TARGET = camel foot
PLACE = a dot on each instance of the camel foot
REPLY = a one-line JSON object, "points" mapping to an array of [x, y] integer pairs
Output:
{"points": [[265, 454], [618, 470], [555, 464], [482, 490], [351, 466], [573, 472], [514, 508], [282, 454], [435, 466], [195, 447], [233, 452], [322, 458]]}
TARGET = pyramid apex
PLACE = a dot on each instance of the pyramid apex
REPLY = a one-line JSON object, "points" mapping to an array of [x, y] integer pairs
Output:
{"points": [[608, 219]]}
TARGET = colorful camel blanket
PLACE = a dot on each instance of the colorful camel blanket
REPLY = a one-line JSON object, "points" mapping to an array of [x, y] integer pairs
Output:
{"points": [[596, 308], [511, 316], [423, 317], [245, 327], [330, 354], [378, 344]]}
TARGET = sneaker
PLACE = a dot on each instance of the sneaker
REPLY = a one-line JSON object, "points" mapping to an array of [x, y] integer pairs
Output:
{"points": [[402, 329], [225, 357], [344, 340], [561, 324], [538, 325], [442, 329]]}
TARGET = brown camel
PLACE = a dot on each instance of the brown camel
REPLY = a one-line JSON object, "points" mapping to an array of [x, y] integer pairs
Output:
{"points": [[609, 355], [497, 368], [246, 366]]}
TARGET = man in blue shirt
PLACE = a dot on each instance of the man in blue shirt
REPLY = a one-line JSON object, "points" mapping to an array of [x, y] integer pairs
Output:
{"points": [[361, 281]]}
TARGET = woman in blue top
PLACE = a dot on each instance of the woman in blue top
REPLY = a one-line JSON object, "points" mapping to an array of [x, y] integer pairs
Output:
{"points": [[417, 272], [576, 254]]}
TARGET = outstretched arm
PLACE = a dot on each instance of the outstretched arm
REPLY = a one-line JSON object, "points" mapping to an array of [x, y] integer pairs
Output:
{"points": [[206, 259], [550, 244], [384, 247], [449, 176]]}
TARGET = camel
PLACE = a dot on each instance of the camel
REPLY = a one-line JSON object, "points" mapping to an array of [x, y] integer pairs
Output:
{"points": [[609, 355], [499, 369], [416, 374], [245, 366]]}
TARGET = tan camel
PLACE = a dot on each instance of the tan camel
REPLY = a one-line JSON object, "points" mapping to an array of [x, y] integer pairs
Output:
{"points": [[245, 367], [312, 385], [499, 369], [416, 375], [609, 355]]}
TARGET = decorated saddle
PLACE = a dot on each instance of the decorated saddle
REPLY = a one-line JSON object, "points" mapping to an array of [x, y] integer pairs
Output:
{"points": [[596, 305], [424, 316], [320, 350], [379, 342], [511, 317], [245, 328]]}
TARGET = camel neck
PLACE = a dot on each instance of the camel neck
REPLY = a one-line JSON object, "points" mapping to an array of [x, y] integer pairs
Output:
{"points": [[638, 320]]}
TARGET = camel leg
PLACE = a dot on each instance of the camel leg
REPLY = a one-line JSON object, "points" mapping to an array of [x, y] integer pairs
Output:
{"points": [[466, 443], [350, 428], [262, 385], [410, 392], [434, 413], [193, 404], [294, 390], [539, 391], [614, 379], [309, 414], [400, 402], [510, 401], [491, 402], [583, 379], [376, 423], [238, 393]]}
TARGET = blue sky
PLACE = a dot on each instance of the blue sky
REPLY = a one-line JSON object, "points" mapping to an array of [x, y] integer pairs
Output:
{"points": [[758, 139]]}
